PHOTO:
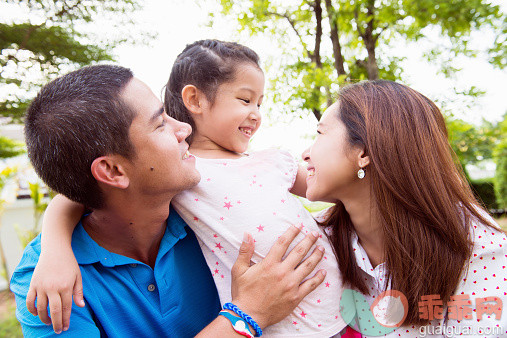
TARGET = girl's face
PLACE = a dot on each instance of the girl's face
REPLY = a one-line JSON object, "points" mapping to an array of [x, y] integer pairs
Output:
{"points": [[332, 169], [234, 117]]}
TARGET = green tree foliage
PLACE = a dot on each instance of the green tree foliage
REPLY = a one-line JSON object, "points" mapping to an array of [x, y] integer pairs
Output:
{"points": [[472, 143], [500, 155], [326, 43], [54, 36]]}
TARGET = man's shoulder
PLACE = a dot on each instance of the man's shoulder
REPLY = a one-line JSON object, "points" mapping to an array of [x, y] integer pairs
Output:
{"points": [[30, 257]]}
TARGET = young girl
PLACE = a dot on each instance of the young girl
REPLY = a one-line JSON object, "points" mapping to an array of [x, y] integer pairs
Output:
{"points": [[218, 87]]}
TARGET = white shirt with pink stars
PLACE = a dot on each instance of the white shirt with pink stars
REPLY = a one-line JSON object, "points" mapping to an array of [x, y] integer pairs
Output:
{"points": [[251, 194], [485, 276]]}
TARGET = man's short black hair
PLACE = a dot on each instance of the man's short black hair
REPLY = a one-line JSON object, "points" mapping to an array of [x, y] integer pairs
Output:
{"points": [[72, 121]]}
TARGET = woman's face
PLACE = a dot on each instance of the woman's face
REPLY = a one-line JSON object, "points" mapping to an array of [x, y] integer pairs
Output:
{"points": [[332, 162]]}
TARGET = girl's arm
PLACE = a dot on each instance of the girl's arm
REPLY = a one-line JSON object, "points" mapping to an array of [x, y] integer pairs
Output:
{"points": [[299, 187], [57, 277]]}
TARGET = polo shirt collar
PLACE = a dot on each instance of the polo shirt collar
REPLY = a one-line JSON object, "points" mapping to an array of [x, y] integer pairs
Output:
{"points": [[87, 251]]}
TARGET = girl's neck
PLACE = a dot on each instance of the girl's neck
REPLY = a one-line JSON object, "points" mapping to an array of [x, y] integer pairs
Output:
{"points": [[211, 150]]}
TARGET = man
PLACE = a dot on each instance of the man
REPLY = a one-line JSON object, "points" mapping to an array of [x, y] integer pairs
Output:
{"points": [[100, 137]]}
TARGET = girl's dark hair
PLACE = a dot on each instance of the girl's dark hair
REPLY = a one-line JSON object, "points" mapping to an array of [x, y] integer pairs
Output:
{"points": [[423, 199], [205, 64]]}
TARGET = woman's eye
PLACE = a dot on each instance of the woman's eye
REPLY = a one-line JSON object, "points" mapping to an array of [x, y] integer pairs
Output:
{"points": [[318, 132], [245, 100]]}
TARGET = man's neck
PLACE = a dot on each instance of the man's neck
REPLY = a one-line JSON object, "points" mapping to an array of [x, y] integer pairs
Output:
{"points": [[132, 229]]}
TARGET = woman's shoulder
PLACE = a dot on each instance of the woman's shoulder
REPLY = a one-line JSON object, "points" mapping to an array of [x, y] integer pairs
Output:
{"points": [[487, 238]]}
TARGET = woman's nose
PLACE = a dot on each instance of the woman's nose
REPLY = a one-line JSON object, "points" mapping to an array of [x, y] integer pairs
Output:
{"points": [[306, 155]]}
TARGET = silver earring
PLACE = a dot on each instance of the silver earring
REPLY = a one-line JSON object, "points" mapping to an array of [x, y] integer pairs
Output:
{"points": [[360, 173]]}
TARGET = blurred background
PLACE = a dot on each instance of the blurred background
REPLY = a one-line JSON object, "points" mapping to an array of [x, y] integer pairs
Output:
{"points": [[452, 51]]}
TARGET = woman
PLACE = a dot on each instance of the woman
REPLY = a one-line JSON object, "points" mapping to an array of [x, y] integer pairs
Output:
{"points": [[405, 218]]}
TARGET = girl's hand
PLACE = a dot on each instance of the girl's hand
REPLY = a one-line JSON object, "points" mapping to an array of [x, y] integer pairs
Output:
{"points": [[270, 290], [55, 280]]}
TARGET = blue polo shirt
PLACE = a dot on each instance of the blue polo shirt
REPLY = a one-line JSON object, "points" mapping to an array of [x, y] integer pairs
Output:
{"points": [[127, 298]]}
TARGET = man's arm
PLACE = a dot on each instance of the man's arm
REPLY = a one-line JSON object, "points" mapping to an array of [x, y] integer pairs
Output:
{"points": [[270, 290]]}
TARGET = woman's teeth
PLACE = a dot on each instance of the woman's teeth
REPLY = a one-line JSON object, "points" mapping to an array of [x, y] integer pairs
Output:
{"points": [[311, 172], [186, 155]]}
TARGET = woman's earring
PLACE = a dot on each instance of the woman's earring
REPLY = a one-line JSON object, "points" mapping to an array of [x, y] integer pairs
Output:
{"points": [[360, 173]]}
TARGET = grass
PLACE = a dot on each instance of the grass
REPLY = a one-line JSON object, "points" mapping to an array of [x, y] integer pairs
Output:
{"points": [[9, 325]]}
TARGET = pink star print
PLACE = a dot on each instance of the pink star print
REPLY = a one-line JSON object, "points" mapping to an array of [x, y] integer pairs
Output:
{"points": [[228, 205], [283, 201], [215, 235], [196, 219], [318, 301], [209, 179], [216, 271], [327, 284], [239, 202], [295, 323], [303, 314], [219, 246], [260, 228]]}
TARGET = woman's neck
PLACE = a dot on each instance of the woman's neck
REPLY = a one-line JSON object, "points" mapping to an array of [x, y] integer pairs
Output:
{"points": [[365, 219]]}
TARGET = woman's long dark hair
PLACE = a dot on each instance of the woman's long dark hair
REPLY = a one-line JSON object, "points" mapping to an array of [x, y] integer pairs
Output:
{"points": [[421, 194]]}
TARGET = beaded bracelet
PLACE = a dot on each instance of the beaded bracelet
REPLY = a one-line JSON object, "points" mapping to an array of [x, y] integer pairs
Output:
{"points": [[246, 318]]}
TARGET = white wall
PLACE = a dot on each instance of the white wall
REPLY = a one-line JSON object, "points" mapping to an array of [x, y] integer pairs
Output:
{"points": [[18, 213]]}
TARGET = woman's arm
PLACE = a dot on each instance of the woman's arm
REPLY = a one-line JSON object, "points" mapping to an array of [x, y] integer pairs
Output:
{"points": [[299, 187], [270, 290], [57, 277]]}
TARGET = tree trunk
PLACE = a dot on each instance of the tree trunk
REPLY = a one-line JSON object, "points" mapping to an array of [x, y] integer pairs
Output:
{"points": [[337, 49], [370, 42], [317, 7]]}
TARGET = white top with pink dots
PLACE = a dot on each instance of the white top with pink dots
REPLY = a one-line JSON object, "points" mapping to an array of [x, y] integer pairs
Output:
{"points": [[251, 194], [486, 276]]}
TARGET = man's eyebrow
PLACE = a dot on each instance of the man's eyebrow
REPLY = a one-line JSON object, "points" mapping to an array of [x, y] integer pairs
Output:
{"points": [[157, 114]]}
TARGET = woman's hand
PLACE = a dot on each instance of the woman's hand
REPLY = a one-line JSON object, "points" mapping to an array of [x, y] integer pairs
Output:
{"points": [[270, 290], [55, 281]]}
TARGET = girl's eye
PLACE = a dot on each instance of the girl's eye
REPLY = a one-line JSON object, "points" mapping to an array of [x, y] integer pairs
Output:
{"points": [[245, 100], [161, 125], [318, 132]]}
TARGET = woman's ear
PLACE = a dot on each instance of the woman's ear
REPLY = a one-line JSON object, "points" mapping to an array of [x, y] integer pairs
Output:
{"points": [[108, 171], [192, 98], [362, 158]]}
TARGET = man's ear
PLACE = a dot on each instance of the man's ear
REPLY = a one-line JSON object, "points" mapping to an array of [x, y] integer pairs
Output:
{"points": [[108, 171], [193, 99], [363, 159]]}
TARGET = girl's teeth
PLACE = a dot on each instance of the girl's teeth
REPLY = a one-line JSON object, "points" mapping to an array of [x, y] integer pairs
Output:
{"points": [[246, 131], [311, 172], [186, 155]]}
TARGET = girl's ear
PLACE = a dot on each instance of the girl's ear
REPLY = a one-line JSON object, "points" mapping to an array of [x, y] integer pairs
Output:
{"points": [[362, 158], [108, 171], [192, 98]]}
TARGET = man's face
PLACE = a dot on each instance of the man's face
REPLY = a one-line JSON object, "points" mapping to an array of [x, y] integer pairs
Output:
{"points": [[160, 164]]}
